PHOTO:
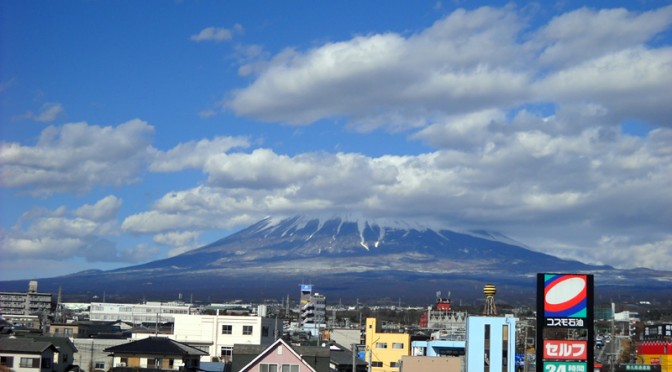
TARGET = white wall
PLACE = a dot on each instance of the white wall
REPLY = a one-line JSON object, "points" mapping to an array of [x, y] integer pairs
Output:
{"points": [[207, 330]]}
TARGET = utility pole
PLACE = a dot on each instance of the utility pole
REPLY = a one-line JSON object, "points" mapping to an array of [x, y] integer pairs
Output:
{"points": [[354, 357], [613, 337]]}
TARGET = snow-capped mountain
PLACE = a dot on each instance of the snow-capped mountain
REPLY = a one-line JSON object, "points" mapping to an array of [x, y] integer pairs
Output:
{"points": [[348, 256]]}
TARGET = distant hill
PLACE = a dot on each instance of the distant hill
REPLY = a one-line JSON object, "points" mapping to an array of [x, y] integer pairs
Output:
{"points": [[349, 258]]}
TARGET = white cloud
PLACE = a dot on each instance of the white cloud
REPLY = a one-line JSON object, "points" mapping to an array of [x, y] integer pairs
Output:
{"points": [[105, 209], [194, 154], [217, 34], [48, 112], [61, 234], [76, 157], [586, 34], [525, 175], [470, 61]]}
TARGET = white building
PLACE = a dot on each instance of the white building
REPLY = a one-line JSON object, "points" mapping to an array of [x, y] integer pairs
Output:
{"points": [[148, 312], [216, 334]]}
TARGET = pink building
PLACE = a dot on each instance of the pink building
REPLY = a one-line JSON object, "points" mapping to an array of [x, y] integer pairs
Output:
{"points": [[280, 357]]}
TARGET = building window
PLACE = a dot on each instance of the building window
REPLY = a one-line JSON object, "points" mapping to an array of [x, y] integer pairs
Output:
{"points": [[268, 368], [290, 368], [264, 331], [157, 363], [29, 363], [381, 345], [394, 365], [376, 364], [247, 330], [99, 366], [227, 329], [226, 351], [7, 361], [397, 345]]}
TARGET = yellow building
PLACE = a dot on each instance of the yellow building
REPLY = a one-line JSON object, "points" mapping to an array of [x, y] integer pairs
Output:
{"points": [[384, 350]]}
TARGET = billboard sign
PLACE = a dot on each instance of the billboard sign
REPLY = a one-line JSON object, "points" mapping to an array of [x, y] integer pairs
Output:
{"points": [[565, 301], [565, 367], [565, 350]]}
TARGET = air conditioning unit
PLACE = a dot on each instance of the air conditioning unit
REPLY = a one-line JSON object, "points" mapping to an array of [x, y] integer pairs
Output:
{"points": [[122, 364]]}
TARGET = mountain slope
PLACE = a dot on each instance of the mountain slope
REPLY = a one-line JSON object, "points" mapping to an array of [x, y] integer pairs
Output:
{"points": [[349, 257]]}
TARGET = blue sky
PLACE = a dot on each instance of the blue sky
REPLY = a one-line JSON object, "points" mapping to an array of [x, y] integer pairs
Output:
{"points": [[133, 131]]}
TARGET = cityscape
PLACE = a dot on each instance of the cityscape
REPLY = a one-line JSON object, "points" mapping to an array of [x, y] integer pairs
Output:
{"points": [[335, 186], [318, 333]]}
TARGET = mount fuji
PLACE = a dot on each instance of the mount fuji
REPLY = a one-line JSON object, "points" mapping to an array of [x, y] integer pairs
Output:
{"points": [[348, 258]]}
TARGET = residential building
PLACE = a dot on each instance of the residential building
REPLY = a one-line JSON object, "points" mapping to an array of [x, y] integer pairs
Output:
{"points": [[313, 310], [216, 334], [27, 355], [64, 357], [384, 350], [29, 303], [346, 336], [148, 312], [341, 359], [63, 329], [91, 355], [280, 357], [431, 364], [155, 353]]}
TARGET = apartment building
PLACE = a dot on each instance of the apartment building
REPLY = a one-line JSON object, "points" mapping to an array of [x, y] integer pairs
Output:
{"points": [[29, 303], [216, 334], [147, 312]]}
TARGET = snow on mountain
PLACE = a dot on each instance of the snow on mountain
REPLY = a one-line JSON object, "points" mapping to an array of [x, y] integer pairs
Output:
{"points": [[287, 226]]}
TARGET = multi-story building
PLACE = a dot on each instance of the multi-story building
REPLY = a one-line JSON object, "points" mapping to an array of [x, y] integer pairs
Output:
{"points": [[384, 350], [31, 302], [216, 334], [148, 312], [313, 310]]}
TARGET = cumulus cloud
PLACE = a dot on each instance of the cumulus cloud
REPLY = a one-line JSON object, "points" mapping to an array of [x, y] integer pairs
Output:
{"points": [[75, 157], [86, 232], [524, 129], [526, 171], [469, 61], [217, 34], [194, 154]]}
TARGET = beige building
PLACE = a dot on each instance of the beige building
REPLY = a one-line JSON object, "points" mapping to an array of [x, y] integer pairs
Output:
{"points": [[431, 364]]}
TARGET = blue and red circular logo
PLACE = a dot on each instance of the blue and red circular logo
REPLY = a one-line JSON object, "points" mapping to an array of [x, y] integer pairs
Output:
{"points": [[565, 296]]}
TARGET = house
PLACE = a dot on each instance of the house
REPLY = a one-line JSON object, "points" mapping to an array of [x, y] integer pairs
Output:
{"points": [[91, 356], [384, 350], [155, 353], [27, 355], [341, 359], [280, 356], [64, 329], [64, 358]]}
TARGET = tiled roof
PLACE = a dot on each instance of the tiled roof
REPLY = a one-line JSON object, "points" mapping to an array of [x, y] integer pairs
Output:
{"points": [[155, 346], [24, 345], [60, 342]]}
